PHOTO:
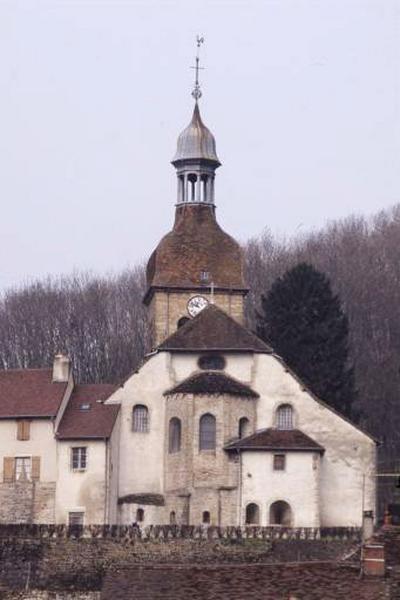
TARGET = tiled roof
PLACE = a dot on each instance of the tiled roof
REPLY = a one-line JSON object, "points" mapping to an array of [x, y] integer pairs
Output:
{"points": [[276, 439], [85, 416], [212, 382], [29, 393], [196, 243], [321, 581], [214, 330]]}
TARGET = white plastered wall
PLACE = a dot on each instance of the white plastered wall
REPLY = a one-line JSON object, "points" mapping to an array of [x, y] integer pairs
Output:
{"points": [[349, 453], [81, 490], [41, 443], [297, 484], [349, 458], [113, 457], [141, 462]]}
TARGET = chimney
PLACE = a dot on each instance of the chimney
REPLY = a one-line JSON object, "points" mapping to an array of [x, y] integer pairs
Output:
{"points": [[61, 368], [368, 525], [373, 560]]}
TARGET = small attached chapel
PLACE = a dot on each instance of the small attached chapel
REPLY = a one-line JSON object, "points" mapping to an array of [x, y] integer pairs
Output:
{"points": [[212, 428]]}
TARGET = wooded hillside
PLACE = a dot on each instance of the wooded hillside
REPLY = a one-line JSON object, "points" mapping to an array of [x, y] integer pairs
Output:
{"points": [[101, 323]]}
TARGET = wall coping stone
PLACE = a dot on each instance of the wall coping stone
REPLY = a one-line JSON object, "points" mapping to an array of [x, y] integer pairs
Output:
{"points": [[166, 533]]}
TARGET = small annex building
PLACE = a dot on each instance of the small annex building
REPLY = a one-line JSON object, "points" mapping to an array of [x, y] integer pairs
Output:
{"points": [[212, 428]]}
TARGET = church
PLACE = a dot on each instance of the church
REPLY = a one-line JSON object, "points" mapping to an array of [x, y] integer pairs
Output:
{"points": [[212, 428]]}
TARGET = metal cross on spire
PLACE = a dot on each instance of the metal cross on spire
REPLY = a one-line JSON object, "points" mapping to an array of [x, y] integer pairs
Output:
{"points": [[197, 90]]}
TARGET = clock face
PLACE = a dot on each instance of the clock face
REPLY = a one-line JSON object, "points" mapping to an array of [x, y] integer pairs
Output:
{"points": [[196, 304]]}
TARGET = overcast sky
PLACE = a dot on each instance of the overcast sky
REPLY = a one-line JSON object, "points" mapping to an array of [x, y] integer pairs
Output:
{"points": [[302, 95]]}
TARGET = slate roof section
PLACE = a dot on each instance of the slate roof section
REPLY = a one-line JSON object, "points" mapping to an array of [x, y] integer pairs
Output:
{"points": [[212, 382], [214, 330], [29, 393], [85, 416], [196, 243], [277, 439]]}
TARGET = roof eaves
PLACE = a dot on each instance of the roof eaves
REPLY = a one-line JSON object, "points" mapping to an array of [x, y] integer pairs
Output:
{"points": [[26, 416], [316, 448], [217, 349], [66, 437]]}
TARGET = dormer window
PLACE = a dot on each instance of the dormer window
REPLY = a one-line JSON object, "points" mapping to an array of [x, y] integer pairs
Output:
{"points": [[284, 417], [204, 276]]}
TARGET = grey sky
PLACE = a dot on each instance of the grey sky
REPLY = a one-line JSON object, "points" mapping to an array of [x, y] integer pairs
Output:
{"points": [[303, 98]]}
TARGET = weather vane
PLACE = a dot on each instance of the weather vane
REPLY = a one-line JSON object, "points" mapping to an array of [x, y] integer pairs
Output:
{"points": [[196, 90]]}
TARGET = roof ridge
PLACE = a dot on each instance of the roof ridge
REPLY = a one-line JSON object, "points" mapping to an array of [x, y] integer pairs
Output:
{"points": [[275, 439]]}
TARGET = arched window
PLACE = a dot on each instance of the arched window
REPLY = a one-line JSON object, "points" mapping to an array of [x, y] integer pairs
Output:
{"points": [[174, 442], [212, 362], [280, 513], [206, 517], [284, 417], [207, 432], [192, 178], [252, 514], [140, 418], [244, 427], [182, 321], [172, 518], [140, 515]]}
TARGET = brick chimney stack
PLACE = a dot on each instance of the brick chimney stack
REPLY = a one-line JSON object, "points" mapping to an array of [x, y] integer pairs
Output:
{"points": [[373, 560]]}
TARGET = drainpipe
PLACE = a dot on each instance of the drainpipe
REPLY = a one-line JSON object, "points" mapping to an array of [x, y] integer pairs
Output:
{"points": [[106, 482], [240, 487]]}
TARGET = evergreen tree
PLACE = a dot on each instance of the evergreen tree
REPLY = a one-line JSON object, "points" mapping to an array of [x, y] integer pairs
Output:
{"points": [[304, 323]]}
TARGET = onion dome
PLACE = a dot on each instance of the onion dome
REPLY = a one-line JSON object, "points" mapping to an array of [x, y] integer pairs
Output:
{"points": [[196, 142]]}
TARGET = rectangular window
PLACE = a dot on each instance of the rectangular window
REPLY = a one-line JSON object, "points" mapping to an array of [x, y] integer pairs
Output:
{"points": [[279, 462], [79, 458], [23, 430], [23, 468], [75, 518]]}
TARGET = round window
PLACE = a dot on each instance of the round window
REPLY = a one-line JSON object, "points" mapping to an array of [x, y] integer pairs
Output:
{"points": [[212, 362]]}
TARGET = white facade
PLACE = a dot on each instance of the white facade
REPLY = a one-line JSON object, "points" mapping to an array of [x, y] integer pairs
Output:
{"points": [[329, 489]]}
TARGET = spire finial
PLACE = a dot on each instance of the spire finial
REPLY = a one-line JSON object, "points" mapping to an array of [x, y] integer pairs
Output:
{"points": [[197, 90]]}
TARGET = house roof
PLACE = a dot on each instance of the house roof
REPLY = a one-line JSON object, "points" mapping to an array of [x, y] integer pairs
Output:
{"points": [[29, 393], [277, 439], [86, 417], [327, 580], [214, 330], [212, 382]]}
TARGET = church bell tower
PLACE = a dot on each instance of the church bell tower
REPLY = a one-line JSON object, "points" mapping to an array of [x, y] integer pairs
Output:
{"points": [[196, 263]]}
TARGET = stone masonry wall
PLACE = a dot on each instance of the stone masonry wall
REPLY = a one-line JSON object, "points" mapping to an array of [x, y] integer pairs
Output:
{"points": [[209, 478], [166, 308], [26, 502], [79, 564]]}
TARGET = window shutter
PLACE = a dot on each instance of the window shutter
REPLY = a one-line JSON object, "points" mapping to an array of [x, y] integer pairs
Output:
{"points": [[35, 468], [8, 469], [23, 430], [26, 430]]}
